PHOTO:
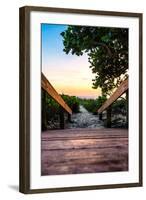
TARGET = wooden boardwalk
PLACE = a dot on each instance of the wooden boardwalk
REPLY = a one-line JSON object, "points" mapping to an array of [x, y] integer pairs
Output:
{"points": [[73, 151]]}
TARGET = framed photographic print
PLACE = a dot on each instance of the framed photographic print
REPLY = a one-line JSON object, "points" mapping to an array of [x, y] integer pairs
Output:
{"points": [[80, 99]]}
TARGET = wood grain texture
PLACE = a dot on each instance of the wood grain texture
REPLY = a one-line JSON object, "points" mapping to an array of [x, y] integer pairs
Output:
{"points": [[46, 85], [73, 151], [120, 90], [24, 101]]}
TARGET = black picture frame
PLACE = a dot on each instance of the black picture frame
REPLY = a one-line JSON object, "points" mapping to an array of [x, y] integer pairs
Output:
{"points": [[24, 142]]}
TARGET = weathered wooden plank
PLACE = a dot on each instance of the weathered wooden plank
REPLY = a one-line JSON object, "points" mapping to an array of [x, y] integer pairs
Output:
{"points": [[84, 137], [85, 160], [84, 143], [46, 85], [120, 90], [84, 151], [84, 132]]}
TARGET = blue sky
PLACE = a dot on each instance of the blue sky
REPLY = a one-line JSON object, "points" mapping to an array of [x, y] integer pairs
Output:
{"points": [[69, 74], [51, 40]]}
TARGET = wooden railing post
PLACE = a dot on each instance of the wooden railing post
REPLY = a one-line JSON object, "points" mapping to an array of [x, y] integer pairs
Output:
{"points": [[100, 116], [62, 118], [50, 90], [120, 90], [108, 122], [107, 104], [46, 85], [69, 117]]}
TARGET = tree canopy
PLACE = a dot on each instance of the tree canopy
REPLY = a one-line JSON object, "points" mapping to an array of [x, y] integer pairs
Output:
{"points": [[107, 50]]}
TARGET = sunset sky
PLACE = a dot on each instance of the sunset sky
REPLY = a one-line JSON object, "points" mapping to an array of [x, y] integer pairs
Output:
{"points": [[69, 74]]}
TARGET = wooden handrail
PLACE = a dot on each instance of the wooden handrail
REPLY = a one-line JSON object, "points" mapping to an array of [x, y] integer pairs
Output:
{"points": [[120, 90], [46, 85]]}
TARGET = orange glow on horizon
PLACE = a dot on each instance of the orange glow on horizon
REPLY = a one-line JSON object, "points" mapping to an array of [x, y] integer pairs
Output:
{"points": [[80, 91], [72, 78]]}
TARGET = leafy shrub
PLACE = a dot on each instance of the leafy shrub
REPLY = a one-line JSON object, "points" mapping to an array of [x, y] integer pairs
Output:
{"points": [[92, 105], [72, 101], [119, 106], [51, 109]]}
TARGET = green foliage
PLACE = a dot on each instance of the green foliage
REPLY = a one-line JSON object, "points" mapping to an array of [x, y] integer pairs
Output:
{"points": [[72, 102], [107, 50], [100, 101], [51, 109], [119, 106], [92, 105]]}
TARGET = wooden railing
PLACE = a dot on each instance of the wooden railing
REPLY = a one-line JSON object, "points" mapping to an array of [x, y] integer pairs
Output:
{"points": [[49, 89], [46, 85], [107, 105]]}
